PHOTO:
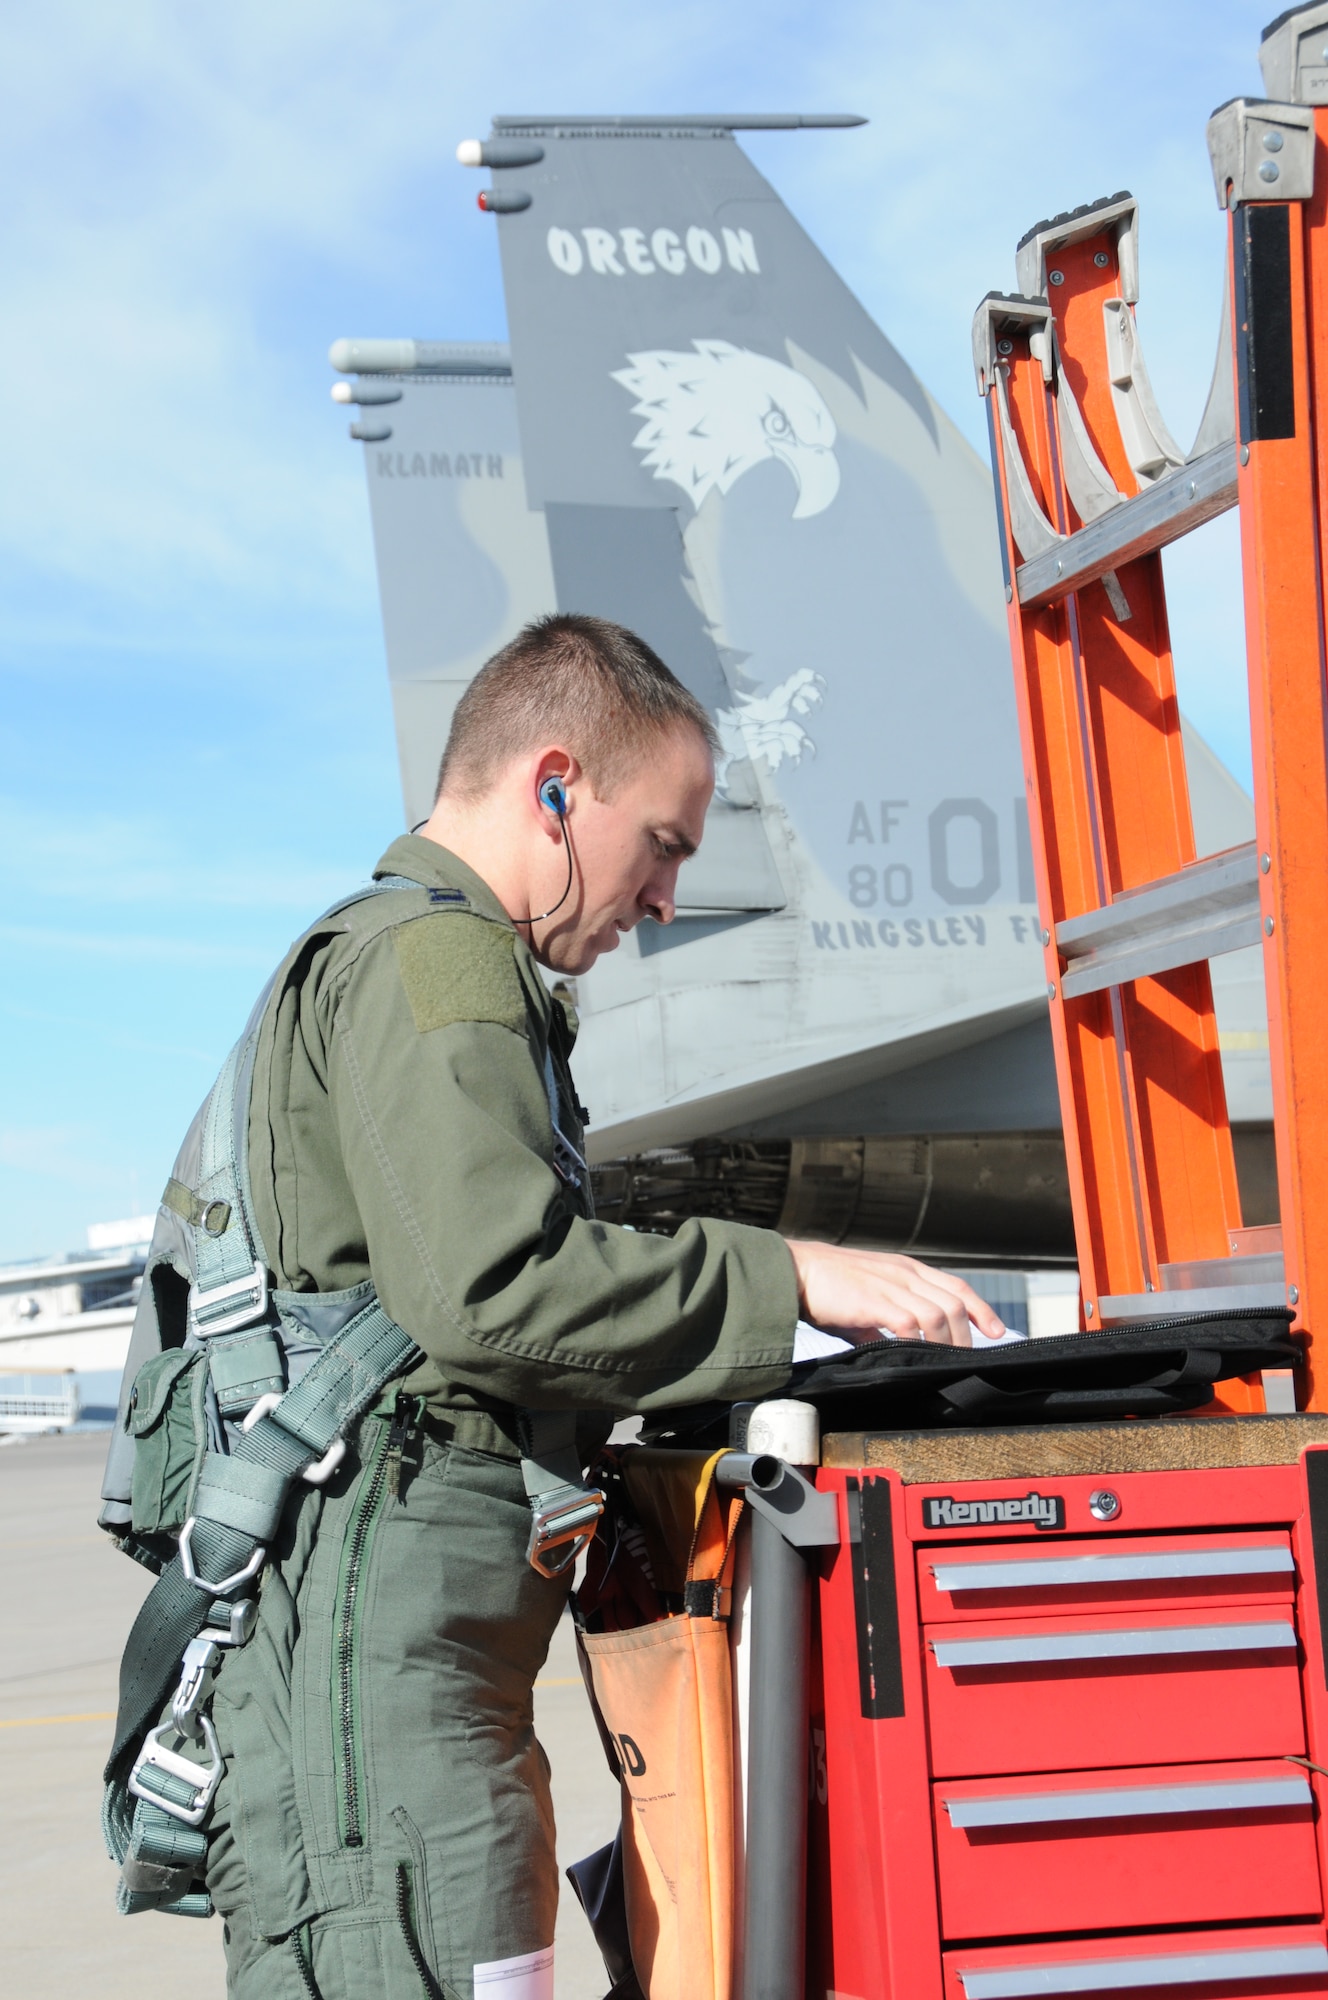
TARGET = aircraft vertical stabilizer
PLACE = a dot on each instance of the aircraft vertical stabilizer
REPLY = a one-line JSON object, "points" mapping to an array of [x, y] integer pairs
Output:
{"points": [[702, 434]]}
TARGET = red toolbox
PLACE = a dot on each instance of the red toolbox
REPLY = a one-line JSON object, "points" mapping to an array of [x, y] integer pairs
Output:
{"points": [[1101, 1850], [1285, 1963], [1048, 1748], [1139, 1688]]}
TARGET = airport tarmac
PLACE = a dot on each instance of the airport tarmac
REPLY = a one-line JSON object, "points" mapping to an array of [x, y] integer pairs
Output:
{"points": [[69, 1598]]}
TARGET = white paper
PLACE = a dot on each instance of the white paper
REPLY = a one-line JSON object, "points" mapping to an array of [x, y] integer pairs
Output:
{"points": [[1011, 1334], [813, 1343], [529, 1977], [975, 1334]]}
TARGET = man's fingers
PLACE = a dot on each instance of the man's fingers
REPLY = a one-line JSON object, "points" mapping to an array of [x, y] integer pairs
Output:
{"points": [[867, 1289], [966, 1299], [948, 1299]]}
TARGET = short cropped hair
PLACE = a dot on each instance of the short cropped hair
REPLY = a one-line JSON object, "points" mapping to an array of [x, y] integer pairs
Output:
{"points": [[592, 685]]}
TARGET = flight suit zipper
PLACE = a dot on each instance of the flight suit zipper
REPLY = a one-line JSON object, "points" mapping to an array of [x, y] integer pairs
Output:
{"points": [[346, 1646], [405, 1919]]}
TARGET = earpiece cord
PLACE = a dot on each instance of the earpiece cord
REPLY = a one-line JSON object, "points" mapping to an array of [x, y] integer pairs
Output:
{"points": [[567, 836]]}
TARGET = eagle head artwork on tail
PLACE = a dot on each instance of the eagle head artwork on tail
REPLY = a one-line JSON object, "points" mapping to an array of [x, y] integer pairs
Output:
{"points": [[713, 415], [710, 416]]}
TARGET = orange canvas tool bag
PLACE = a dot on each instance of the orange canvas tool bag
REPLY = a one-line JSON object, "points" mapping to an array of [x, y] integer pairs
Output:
{"points": [[659, 1588]]}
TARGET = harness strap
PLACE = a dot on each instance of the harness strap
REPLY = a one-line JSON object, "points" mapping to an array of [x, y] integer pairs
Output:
{"points": [[564, 1511], [230, 1270], [157, 1794], [568, 1163], [222, 1548], [159, 1868]]}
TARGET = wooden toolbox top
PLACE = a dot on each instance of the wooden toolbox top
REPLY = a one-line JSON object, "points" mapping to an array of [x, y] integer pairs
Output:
{"points": [[1029, 1451]]}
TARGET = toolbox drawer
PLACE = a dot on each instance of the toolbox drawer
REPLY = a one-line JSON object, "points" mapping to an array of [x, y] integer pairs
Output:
{"points": [[1286, 1963], [1098, 1850], [1068, 1694], [1003, 1580]]}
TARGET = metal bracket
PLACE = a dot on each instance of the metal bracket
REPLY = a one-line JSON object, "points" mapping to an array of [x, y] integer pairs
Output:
{"points": [[782, 1495], [561, 1527], [227, 1584], [1261, 151], [322, 1469]]}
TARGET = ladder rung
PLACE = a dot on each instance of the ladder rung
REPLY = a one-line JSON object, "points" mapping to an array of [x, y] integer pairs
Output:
{"points": [[1201, 911], [1125, 1306], [1162, 513], [1201, 1273]]}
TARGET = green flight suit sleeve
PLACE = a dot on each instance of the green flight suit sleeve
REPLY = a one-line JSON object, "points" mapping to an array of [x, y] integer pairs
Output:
{"points": [[477, 1246]]}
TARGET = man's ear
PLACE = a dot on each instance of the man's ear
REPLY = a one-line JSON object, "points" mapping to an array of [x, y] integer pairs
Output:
{"points": [[556, 773]]}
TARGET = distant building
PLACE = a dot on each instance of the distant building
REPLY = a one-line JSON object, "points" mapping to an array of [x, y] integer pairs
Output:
{"points": [[64, 1327]]}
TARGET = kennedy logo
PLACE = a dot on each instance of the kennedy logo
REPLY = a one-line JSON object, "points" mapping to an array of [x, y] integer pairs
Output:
{"points": [[1043, 1510]]}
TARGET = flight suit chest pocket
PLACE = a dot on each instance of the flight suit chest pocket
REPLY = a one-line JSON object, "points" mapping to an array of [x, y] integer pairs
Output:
{"points": [[167, 1420]]}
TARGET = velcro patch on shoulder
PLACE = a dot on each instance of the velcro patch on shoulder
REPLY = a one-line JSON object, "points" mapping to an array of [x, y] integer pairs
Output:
{"points": [[459, 968]]}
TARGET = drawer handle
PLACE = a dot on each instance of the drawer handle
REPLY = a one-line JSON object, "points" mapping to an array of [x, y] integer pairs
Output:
{"points": [[1127, 1802], [1117, 1975], [1047, 1572], [1114, 1645]]}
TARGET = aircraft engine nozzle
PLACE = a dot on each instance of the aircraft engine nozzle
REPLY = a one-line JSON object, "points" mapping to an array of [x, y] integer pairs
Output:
{"points": [[499, 153]]}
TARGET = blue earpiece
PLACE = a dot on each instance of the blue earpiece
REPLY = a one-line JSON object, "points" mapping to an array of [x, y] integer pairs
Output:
{"points": [[552, 795]]}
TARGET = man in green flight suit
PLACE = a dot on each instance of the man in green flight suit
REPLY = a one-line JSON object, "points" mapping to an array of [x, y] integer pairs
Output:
{"points": [[384, 1825]]}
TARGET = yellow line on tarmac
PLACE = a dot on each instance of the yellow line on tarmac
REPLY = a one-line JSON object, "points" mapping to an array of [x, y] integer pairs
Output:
{"points": [[44, 1721]]}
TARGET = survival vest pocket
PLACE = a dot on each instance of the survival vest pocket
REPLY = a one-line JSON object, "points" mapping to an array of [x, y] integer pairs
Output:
{"points": [[167, 1420]]}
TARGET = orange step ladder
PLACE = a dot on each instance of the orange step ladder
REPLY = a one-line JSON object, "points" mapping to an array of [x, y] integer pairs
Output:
{"points": [[1092, 487]]}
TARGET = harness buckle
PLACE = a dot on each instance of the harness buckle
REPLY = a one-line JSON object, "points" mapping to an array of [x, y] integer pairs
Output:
{"points": [[317, 1474], [198, 1671], [210, 1312], [227, 1584], [241, 1619], [561, 1526], [200, 1780]]}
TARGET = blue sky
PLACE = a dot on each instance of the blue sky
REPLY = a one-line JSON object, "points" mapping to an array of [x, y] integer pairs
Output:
{"points": [[195, 742]]}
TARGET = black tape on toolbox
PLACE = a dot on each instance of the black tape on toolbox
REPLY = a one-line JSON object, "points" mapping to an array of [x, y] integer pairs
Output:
{"points": [[1316, 1482], [875, 1598]]}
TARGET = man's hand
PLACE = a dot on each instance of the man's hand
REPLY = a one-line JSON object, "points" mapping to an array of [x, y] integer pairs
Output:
{"points": [[857, 1292]]}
